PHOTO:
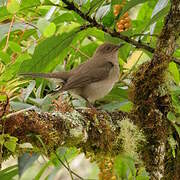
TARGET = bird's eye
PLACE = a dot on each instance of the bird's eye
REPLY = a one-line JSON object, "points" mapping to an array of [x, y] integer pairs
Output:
{"points": [[108, 48]]}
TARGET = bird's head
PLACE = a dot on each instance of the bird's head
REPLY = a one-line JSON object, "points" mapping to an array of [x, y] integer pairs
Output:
{"points": [[108, 48]]}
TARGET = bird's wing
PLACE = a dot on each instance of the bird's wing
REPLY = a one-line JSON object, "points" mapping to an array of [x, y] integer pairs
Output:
{"points": [[87, 75]]}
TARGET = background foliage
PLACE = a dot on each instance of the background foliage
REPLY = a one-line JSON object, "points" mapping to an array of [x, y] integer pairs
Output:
{"points": [[45, 36]]}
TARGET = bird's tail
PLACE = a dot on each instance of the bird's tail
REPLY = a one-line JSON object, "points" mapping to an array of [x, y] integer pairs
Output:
{"points": [[56, 75]]}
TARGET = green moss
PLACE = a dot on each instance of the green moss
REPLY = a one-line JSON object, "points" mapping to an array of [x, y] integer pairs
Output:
{"points": [[130, 138]]}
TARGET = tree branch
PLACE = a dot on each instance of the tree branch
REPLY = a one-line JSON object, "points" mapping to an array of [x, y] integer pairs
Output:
{"points": [[94, 23], [152, 101], [82, 129]]}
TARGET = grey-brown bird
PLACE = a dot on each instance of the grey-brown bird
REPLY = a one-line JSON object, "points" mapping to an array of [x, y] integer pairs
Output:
{"points": [[93, 79]]}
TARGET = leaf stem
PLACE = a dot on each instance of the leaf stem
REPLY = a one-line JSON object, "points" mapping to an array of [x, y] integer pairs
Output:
{"points": [[67, 167], [8, 35]]}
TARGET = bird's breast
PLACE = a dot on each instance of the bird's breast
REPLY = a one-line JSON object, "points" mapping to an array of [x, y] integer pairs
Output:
{"points": [[99, 89]]}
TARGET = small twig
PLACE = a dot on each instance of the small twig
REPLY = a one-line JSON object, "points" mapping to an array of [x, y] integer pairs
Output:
{"points": [[67, 167], [42, 143], [27, 23], [8, 35], [77, 49], [30, 24]]}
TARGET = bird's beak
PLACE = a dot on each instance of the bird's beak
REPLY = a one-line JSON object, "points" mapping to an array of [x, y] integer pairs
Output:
{"points": [[120, 45]]}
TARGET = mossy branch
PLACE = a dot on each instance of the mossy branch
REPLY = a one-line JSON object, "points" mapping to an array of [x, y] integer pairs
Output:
{"points": [[84, 129], [152, 101]]}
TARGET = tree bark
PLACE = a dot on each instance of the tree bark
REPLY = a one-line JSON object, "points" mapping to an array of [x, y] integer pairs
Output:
{"points": [[151, 104]]}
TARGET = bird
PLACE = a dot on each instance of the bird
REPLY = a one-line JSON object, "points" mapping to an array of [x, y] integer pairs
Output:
{"points": [[93, 79]]}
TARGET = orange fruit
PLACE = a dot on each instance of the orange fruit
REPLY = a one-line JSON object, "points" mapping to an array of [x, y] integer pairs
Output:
{"points": [[126, 14]]}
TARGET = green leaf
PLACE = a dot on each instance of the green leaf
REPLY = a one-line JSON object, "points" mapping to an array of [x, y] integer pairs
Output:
{"points": [[175, 90], [68, 17], [69, 152], [64, 152], [131, 4], [124, 164], [94, 5], [142, 177], [16, 106], [109, 38], [12, 69], [45, 27], [177, 129], [142, 174], [176, 102], [113, 2], [25, 161], [88, 50], [158, 12], [2, 139], [117, 94], [4, 57], [29, 3], [174, 71], [85, 5], [95, 33], [15, 47], [49, 30], [42, 24], [125, 106], [10, 144], [29, 90], [171, 116], [125, 51], [177, 53], [54, 1], [108, 19], [3, 97], [4, 14], [9, 173], [45, 53], [161, 4], [12, 138], [42, 170], [13, 6], [173, 143]]}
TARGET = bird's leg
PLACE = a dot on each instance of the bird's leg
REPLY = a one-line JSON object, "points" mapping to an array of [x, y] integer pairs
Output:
{"points": [[91, 106]]}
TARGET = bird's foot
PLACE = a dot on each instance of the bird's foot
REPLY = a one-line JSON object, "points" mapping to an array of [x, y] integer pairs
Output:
{"points": [[92, 108]]}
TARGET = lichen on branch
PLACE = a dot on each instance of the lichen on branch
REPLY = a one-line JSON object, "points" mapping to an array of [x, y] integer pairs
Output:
{"points": [[151, 98], [91, 132]]}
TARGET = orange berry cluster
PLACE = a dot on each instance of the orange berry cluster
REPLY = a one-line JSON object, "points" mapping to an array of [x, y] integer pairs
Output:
{"points": [[124, 22], [106, 169], [118, 7]]}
